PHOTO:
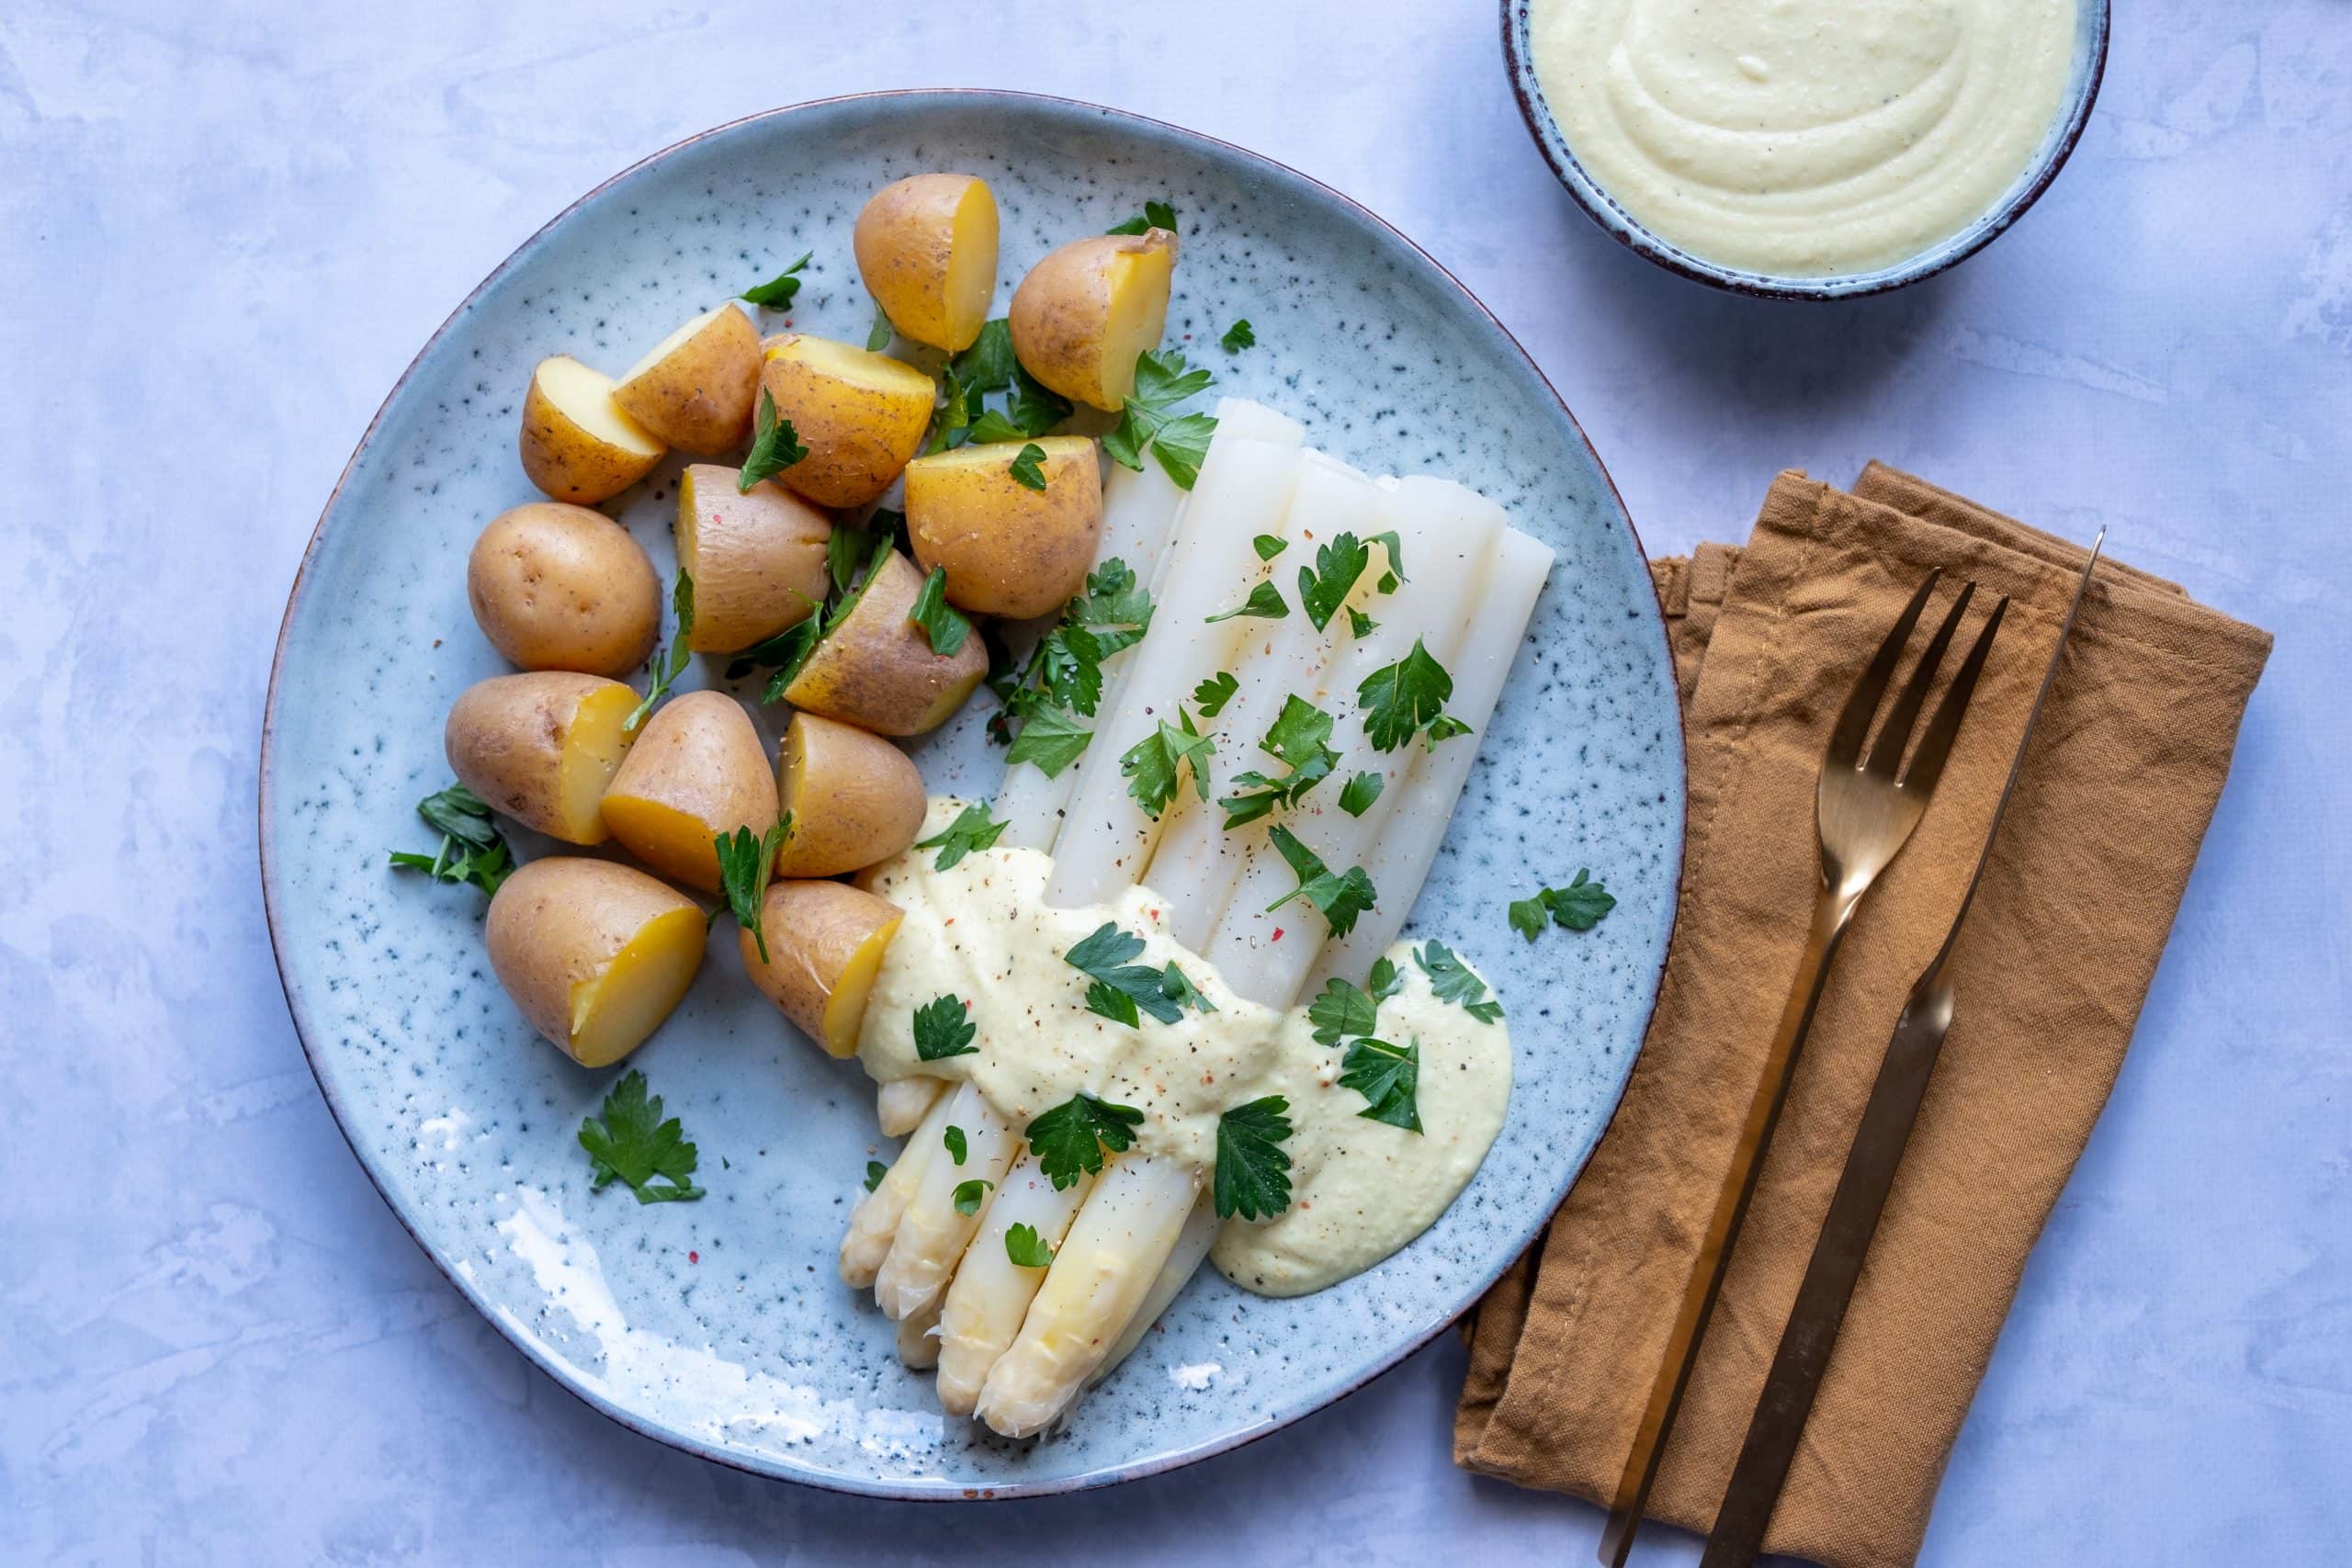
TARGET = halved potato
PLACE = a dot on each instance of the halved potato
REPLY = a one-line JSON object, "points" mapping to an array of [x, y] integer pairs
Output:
{"points": [[695, 390], [926, 248], [559, 587], [1009, 550], [757, 557], [595, 955], [697, 772], [877, 670], [1084, 313], [540, 748], [852, 796], [577, 444], [826, 941], [861, 415]]}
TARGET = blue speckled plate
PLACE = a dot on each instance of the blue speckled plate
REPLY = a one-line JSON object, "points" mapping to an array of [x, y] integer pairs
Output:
{"points": [[719, 1327]]}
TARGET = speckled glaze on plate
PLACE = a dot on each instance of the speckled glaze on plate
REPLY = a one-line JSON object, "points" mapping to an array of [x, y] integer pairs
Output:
{"points": [[2087, 71], [720, 1326]]}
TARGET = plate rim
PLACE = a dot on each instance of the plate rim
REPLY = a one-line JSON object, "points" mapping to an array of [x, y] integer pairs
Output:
{"points": [[525, 1345]]}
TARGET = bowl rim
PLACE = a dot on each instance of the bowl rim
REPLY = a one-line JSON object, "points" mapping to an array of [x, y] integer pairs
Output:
{"points": [[532, 1351], [1591, 198]]}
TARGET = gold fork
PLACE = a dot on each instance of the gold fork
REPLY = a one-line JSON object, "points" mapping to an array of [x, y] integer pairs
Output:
{"points": [[1865, 808]]}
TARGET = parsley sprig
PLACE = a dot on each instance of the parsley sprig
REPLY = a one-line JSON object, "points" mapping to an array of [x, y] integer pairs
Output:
{"points": [[631, 1142], [1149, 418], [787, 653], [1404, 698], [472, 850], [666, 669], [1155, 215], [972, 829], [1123, 990], [1451, 980], [1253, 1167], [1068, 1140], [745, 861], [777, 293], [1300, 738], [1061, 681], [1341, 896], [1388, 1076], [943, 1027], [1580, 905], [1155, 766]]}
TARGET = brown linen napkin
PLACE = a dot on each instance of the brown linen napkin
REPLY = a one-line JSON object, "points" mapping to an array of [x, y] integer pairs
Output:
{"points": [[2053, 966]]}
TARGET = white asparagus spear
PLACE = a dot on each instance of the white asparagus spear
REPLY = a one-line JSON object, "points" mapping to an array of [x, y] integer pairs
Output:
{"points": [[1450, 537], [1194, 864], [1403, 855], [1107, 837], [1107, 1265], [919, 1338], [931, 1234], [875, 1219], [1192, 1243], [1142, 511], [901, 1104], [990, 1294]]}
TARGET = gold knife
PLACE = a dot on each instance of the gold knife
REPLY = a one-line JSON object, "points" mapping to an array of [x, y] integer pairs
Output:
{"points": [[1846, 1232]]}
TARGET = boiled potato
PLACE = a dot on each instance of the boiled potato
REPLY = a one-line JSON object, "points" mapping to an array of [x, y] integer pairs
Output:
{"points": [[875, 669], [595, 955], [577, 444], [540, 748], [559, 587], [697, 772], [861, 415], [694, 390], [757, 557], [926, 248], [852, 797], [1086, 312], [826, 941], [1009, 550]]}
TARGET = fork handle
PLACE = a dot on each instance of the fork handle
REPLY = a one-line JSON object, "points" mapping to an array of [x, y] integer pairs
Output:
{"points": [[1833, 910]]}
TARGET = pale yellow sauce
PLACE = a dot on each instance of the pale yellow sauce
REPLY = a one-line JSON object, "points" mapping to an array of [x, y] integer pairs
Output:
{"points": [[983, 933], [1803, 138]]}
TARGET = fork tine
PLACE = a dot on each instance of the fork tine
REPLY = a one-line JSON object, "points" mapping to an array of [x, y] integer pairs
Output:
{"points": [[1895, 733], [1854, 719], [1928, 764]]}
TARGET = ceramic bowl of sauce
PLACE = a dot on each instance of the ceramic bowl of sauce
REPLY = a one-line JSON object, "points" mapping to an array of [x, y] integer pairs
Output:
{"points": [[1805, 149]]}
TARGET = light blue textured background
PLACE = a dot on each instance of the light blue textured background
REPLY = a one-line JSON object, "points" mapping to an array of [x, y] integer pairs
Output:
{"points": [[224, 230]]}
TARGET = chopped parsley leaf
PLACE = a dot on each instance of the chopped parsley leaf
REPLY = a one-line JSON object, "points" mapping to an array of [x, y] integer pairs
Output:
{"points": [[943, 1027], [957, 1147], [1341, 897], [665, 672], [777, 293], [968, 1194], [1269, 545], [1028, 469], [1300, 736], [775, 446], [942, 625], [1342, 1011], [1265, 601], [1389, 1078], [1027, 1247], [1068, 1140], [972, 829], [1211, 695], [745, 860], [1324, 588], [1049, 740], [1154, 765], [631, 1142], [1155, 215], [1358, 794], [1452, 981], [1384, 981], [1252, 1169], [472, 850], [877, 337], [874, 1171], [1398, 699], [1163, 381], [1238, 336], [1580, 905]]}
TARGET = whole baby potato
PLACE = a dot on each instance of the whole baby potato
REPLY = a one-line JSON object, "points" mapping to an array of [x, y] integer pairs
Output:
{"points": [[541, 747], [861, 415], [876, 669], [595, 955], [1086, 312], [693, 389], [926, 248], [1010, 550], [559, 587]]}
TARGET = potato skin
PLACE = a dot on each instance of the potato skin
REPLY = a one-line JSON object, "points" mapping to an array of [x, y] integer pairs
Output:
{"points": [[877, 670], [561, 919], [909, 256], [506, 739], [568, 462], [854, 798], [699, 396], [558, 587], [697, 770], [757, 557], [1009, 550], [1067, 309], [861, 415], [814, 931]]}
